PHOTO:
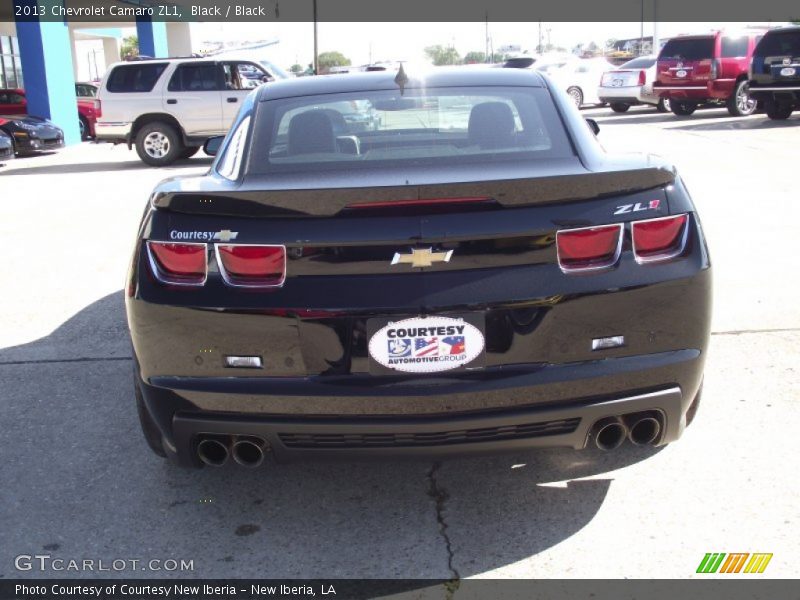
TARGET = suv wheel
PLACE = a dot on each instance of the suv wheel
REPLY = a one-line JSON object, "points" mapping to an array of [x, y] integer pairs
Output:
{"points": [[777, 111], [741, 104], [663, 105], [620, 107], [576, 95], [682, 108], [158, 144]]}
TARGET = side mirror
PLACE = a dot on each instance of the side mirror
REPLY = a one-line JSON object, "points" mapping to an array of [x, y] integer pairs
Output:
{"points": [[212, 145], [593, 126]]}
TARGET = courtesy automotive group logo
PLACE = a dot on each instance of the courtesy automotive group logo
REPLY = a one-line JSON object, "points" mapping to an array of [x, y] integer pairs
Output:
{"points": [[719, 562]]}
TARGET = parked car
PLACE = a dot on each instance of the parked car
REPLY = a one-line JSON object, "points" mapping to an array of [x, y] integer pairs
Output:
{"points": [[579, 78], [32, 134], [631, 85], [696, 69], [167, 108], [499, 283], [775, 72], [6, 146], [14, 102]]}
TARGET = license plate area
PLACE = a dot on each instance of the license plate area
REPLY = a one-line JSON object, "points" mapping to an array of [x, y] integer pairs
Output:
{"points": [[427, 344]]}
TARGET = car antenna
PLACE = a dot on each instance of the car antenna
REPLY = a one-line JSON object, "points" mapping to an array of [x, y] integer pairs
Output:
{"points": [[401, 79]]}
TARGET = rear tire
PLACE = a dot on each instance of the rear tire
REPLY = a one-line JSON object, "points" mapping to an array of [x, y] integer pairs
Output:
{"points": [[664, 105], [778, 111], [740, 104], [620, 107], [158, 144], [83, 126], [152, 435], [576, 95], [682, 108]]}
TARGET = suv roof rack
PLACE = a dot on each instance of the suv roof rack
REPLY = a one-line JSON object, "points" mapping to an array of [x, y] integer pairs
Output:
{"points": [[142, 58]]}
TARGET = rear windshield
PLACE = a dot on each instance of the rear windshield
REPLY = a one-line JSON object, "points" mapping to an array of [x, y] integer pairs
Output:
{"points": [[688, 49], [419, 127], [135, 78], [639, 63], [780, 44]]}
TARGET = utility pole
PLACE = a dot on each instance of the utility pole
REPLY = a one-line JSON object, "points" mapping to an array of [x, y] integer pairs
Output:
{"points": [[539, 47], [656, 41], [641, 32], [316, 48], [487, 38]]}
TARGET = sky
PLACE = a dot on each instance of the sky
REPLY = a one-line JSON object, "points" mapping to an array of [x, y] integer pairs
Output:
{"points": [[362, 42]]}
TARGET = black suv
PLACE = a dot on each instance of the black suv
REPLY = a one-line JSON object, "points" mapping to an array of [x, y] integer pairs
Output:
{"points": [[775, 72]]}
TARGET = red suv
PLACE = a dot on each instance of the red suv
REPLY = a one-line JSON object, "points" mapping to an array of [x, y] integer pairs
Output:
{"points": [[698, 69], [13, 102]]}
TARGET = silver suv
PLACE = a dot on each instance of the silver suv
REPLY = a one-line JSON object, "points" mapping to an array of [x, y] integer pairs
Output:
{"points": [[167, 108]]}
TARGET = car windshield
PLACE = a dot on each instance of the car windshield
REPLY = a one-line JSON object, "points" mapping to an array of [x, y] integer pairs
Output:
{"points": [[639, 63], [688, 49], [420, 126]]}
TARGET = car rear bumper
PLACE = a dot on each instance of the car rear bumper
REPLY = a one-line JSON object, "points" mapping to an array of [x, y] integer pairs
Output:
{"points": [[718, 89], [112, 131], [546, 406], [790, 93], [628, 95]]}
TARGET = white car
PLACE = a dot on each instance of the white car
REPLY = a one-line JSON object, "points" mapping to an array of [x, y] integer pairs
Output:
{"points": [[579, 78], [631, 84], [167, 108]]}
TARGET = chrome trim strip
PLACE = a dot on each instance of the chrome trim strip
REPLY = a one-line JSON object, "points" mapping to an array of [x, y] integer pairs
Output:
{"points": [[680, 87], [642, 260], [774, 89], [601, 267], [229, 281], [162, 277]]}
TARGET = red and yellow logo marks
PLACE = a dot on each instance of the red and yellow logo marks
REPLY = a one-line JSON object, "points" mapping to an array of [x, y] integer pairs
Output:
{"points": [[737, 562]]}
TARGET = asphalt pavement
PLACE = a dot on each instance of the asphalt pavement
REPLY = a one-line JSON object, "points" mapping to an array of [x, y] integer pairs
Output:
{"points": [[79, 483]]}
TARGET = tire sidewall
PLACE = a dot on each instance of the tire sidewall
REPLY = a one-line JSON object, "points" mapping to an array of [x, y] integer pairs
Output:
{"points": [[176, 146], [579, 93]]}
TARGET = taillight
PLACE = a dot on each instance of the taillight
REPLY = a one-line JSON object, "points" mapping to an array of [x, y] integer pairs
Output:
{"points": [[98, 108], [178, 264], [714, 69], [246, 265], [659, 239], [642, 77], [589, 248]]}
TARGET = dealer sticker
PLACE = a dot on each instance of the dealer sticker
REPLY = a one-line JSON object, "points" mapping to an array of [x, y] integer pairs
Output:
{"points": [[426, 344]]}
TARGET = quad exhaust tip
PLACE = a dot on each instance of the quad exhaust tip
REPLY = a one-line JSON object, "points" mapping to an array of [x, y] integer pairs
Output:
{"points": [[609, 433], [643, 430], [212, 452], [249, 452]]}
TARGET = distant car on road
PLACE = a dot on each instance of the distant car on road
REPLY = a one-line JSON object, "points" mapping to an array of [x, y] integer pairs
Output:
{"points": [[14, 102], [167, 108], [474, 274], [697, 69], [6, 146], [631, 84], [775, 72], [32, 134]]}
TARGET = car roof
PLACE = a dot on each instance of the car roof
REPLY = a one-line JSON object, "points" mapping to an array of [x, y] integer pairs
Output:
{"points": [[385, 80]]}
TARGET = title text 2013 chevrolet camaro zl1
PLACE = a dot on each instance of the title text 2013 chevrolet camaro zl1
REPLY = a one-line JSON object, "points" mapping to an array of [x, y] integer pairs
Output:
{"points": [[471, 273]]}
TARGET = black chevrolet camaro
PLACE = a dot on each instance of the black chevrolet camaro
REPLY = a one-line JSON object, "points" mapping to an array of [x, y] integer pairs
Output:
{"points": [[472, 273]]}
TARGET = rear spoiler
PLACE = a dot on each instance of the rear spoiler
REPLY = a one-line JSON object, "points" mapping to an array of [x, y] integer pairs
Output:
{"points": [[330, 201]]}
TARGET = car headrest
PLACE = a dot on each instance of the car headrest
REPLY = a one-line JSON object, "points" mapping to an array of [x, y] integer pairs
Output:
{"points": [[311, 132], [491, 125]]}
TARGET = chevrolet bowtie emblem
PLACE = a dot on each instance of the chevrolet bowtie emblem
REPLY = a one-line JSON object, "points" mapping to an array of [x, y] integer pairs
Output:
{"points": [[226, 235], [421, 257]]}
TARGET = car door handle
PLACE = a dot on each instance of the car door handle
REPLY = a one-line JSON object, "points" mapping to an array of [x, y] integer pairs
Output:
{"points": [[172, 101], [233, 100]]}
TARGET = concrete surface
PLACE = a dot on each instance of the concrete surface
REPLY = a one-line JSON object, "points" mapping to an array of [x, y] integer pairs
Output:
{"points": [[79, 483]]}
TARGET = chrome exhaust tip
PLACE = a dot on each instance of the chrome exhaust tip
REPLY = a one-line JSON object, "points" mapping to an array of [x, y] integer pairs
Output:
{"points": [[248, 452], [609, 433], [212, 452], [644, 430]]}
